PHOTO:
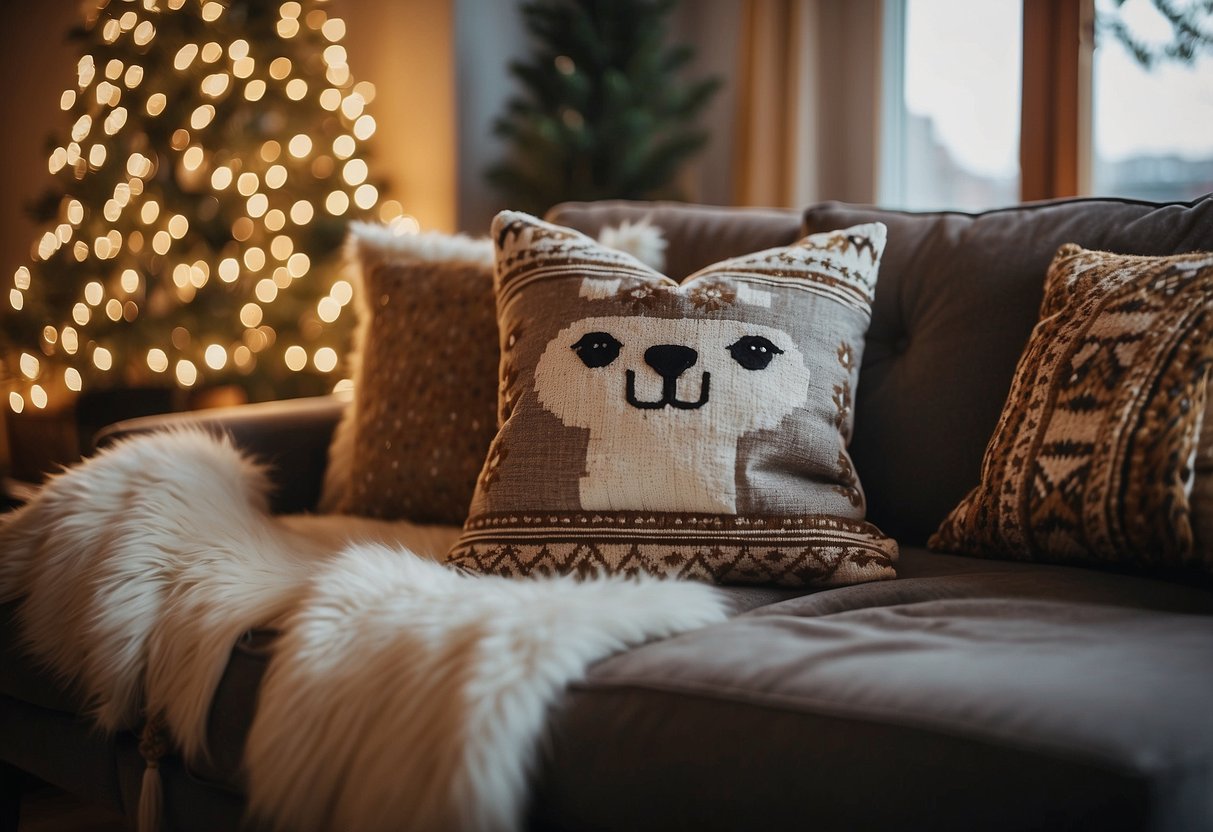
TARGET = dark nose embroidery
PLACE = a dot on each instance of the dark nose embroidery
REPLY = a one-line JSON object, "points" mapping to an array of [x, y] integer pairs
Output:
{"points": [[670, 361]]}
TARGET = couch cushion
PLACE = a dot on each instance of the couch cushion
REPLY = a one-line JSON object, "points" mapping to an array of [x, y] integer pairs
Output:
{"points": [[957, 298], [966, 696]]}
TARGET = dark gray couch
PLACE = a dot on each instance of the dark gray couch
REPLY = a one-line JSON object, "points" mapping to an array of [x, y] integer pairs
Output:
{"points": [[968, 694]]}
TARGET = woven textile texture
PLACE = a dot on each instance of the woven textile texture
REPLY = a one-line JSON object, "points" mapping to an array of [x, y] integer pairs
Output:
{"points": [[425, 399], [1094, 459], [695, 430]]}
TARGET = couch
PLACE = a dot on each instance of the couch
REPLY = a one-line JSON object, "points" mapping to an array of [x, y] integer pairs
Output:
{"points": [[967, 694]]}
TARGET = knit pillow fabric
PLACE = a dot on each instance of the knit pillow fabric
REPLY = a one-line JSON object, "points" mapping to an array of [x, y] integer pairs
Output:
{"points": [[695, 429], [1095, 457], [411, 443]]}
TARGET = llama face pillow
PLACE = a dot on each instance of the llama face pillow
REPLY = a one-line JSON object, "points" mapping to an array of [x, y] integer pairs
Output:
{"points": [[692, 430]]}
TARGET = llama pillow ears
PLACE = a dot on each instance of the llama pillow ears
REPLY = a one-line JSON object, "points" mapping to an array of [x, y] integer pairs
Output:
{"points": [[695, 429]]}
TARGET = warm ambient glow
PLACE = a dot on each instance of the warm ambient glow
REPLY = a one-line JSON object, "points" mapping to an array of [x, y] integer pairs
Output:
{"points": [[153, 178]]}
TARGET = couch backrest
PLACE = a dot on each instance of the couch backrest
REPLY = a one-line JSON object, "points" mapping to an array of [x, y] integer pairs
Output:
{"points": [[957, 297], [698, 235]]}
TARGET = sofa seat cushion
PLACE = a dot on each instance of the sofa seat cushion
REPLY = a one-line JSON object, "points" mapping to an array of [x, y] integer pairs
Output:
{"points": [[1011, 697]]}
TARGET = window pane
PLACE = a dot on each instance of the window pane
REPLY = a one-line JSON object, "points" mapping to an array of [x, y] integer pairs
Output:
{"points": [[955, 141], [1152, 128]]}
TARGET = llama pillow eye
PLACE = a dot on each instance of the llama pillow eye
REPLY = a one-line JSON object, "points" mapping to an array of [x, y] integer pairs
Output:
{"points": [[753, 352], [597, 349]]}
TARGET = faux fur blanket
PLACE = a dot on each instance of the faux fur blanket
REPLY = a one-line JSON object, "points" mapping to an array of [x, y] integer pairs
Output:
{"points": [[400, 694]]}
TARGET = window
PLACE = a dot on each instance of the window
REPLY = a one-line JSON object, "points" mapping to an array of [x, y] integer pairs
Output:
{"points": [[952, 103], [1151, 128], [962, 111]]}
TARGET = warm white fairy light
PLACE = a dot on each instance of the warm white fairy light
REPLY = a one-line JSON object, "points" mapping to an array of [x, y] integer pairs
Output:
{"points": [[325, 359], [259, 246], [364, 127], [282, 247], [185, 56], [202, 116], [16, 402], [229, 270], [300, 145], [298, 264], [337, 202], [254, 90], [342, 292], [301, 212], [265, 290], [365, 196], [354, 172], [251, 315], [29, 365], [333, 29], [103, 359], [254, 259], [328, 309], [295, 357], [215, 356], [187, 373], [157, 360]]}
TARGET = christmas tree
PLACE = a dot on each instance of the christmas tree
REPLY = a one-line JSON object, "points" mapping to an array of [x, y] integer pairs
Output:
{"points": [[198, 206], [603, 113]]}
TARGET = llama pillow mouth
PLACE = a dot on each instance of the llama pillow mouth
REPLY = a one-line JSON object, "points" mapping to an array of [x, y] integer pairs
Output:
{"points": [[655, 393], [694, 429]]}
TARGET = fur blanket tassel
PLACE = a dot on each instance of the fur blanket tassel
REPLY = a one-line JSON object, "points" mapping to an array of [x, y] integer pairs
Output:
{"points": [[400, 694]]}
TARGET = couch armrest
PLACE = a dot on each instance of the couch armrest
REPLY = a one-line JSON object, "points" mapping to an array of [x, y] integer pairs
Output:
{"points": [[292, 436]]}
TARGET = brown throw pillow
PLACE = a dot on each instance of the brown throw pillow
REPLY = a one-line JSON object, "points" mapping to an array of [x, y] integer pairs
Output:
{"points": [[695, 430], [425, 396], [1094, 457]]}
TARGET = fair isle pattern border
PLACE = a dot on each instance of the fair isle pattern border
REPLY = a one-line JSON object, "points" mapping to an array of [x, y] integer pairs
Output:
{"points": [[785, 551], [1091, 459], [532, 251]]}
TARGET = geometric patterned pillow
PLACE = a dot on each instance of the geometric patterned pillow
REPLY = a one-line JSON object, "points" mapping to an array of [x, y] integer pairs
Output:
{"points": [[694, 429], [1094, 457]]}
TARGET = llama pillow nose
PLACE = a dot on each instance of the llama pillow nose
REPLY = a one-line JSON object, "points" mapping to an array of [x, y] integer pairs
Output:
{"points": [[670, 360]]}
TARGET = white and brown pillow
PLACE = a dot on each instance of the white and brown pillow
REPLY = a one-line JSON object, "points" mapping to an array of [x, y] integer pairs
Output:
{"points": [[1095, 457], [694, 430]]}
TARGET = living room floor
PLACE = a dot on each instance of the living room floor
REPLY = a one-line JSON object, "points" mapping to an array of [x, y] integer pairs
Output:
{"points": [[47, 809]]}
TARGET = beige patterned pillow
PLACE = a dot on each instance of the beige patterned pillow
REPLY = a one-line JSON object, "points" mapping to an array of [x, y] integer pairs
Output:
{"points": [[696, 429], [1094, 458]]}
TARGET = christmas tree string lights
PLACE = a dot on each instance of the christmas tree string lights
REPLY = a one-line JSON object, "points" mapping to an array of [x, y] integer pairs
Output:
{"points": [[199, 206]]}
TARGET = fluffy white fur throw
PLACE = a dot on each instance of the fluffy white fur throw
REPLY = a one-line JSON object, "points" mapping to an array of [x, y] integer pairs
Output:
{"points": [[401, 694]]}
